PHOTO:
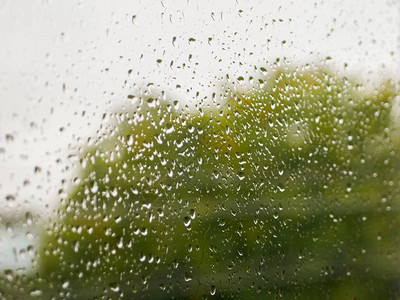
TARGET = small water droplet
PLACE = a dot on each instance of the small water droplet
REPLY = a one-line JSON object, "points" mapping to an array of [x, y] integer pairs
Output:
{"points": [[36, 293], [187, 221], [240, 175], [130, 141], [114, 286], [10, 197], [29, 218], [169, 128], [65, 285], [213, 290], [94, 189], [187, 277]]}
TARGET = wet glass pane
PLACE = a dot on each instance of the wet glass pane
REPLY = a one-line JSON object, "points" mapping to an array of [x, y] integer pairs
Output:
{"points": [[199, 149]]}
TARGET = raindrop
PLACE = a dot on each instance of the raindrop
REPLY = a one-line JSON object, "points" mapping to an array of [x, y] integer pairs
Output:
{"points": [[114, 286], [213, 290], [36, 293], [187, 221]]}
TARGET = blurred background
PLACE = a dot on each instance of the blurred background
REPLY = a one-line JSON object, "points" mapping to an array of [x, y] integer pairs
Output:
{"points": [[66, 67]]}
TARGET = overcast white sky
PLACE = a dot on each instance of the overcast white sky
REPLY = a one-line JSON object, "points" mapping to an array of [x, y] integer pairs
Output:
{"points": [[59, 59]]}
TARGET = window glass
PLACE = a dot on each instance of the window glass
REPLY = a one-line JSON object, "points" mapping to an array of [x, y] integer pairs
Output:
{"points": [[199, 149]]}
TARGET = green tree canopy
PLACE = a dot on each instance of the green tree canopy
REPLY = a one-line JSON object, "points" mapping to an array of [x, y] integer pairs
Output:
{"points": [[288, 189]]}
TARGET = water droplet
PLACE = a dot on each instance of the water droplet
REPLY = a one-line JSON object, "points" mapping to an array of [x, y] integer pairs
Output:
{"points": [[36, 293], [10, 197], [240, 175], [187, 277], [95, 188], [169, 128], [187, 221], [213, 290], [29, 218], [65, 285], [192, 214], [130, 141], [114, 286]]}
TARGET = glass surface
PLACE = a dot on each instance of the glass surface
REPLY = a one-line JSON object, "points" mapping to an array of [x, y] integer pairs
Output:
{"points": [[199, 149]]}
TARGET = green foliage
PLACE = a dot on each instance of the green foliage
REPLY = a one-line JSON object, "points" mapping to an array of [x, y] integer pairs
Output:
{"points": [[289, 189]]}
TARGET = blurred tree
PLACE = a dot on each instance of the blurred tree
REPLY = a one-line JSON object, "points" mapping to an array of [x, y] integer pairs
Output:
{"points": [[289, 189]]}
